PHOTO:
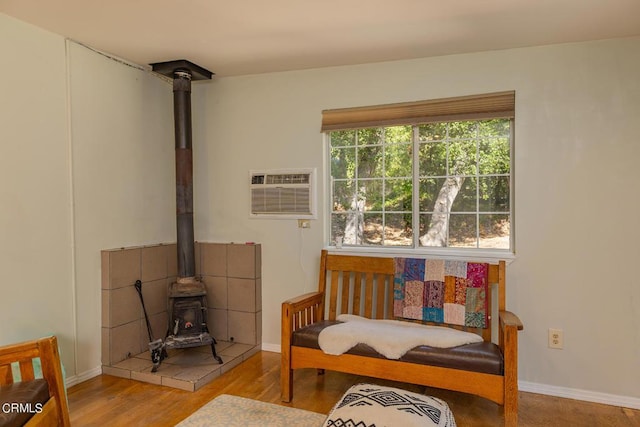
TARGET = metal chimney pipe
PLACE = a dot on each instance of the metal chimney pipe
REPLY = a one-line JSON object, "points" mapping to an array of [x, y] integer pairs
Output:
{"points": [[183, 72], [184, 173]]}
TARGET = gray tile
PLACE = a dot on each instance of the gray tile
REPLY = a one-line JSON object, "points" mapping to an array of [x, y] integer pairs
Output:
{"points": [[105, 296], [207, 379], [124, 267], [147, 376], [104, 270], [154, 262], [155, 296], [190, 377], [242, 327], [259, 328], [106, 347], [195, 373], [124, 342], [258, 260], [116, 372], [232, 364], [258, 294], [236, 350], [221, 345], [255, 350], [214, 259], [189, 357], [216, 291], [124, 306], [242, 294], [159, 325], [218, 324], [172, 260], [134, 364], [241, 261], [197, 253], [179, 384]]}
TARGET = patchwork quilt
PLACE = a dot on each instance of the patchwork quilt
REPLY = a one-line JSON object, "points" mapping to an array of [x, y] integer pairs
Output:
{"points": [[441, 291]]}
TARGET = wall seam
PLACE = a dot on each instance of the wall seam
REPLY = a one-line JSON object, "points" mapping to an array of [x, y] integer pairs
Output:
{"points": [[74, 286]]}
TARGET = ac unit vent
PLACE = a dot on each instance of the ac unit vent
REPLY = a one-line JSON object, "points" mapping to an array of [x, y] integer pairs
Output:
{"points": [[283, 194]]}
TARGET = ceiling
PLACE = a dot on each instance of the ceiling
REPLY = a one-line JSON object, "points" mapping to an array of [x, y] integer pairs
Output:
{"points": [[237, 37]]}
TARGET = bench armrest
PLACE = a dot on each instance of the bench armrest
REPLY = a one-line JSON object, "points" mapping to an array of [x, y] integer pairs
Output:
{"points": [[301, 311], [297, 313], [510, 324], [508, 319], [305, 300]]}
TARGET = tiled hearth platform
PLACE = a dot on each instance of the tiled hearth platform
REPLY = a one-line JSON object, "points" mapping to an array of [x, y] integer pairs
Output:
{"points": [[231, 273], [186, 369]]}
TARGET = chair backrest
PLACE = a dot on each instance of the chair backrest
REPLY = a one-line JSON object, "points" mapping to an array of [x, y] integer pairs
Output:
{"points": [[17, 364], [364, 286]]}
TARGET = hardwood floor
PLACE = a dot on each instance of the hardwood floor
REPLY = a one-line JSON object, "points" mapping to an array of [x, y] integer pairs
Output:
{"points": [[107, 400]]}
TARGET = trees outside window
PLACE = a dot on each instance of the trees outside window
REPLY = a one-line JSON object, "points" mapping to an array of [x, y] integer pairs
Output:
{"points": [[440, 184]]}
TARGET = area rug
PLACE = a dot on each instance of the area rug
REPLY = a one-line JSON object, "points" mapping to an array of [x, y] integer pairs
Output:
{"points": [[227, 410]]}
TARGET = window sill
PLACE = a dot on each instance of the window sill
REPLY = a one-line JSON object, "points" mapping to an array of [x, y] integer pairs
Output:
{"points": [[480, 255]]}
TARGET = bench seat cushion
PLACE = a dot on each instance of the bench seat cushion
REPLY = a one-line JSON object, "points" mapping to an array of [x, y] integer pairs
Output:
{"points": [[480, 357], [29, 395]]}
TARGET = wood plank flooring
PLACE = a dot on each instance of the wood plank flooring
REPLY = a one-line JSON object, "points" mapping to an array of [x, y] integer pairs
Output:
{"points": [[112, 401]]}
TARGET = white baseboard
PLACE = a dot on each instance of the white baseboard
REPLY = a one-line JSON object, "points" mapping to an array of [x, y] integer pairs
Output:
{"points": [[271, 347], [550, 390], [578, 394], [77, 379]]}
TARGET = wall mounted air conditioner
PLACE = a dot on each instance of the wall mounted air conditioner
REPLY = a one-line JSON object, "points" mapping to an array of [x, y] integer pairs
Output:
{"points": [[283, 193]]}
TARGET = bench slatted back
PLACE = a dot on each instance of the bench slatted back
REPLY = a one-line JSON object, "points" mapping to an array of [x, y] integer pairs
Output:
{"points": [[363, 286], [357, 285]]}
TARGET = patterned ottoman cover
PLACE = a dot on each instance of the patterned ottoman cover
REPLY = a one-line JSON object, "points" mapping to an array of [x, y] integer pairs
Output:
{"points": [[369, 405]]}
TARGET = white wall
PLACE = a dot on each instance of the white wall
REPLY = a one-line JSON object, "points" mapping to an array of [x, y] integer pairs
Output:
{"points": [[576, 151], [123, 174], [36, 290], [86, 163]]}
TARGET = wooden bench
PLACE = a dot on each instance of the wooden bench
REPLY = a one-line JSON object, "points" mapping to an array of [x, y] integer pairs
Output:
{"points": [[364, 286], [44, 401]]}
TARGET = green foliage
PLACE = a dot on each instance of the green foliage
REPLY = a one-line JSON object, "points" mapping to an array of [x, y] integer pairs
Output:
{"points": [[376, 165]]}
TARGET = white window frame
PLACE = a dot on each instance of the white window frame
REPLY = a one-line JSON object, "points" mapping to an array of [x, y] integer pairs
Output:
{"points": [[479, 254]]}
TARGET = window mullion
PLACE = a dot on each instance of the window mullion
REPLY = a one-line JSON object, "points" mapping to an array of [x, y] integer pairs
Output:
{"points": [[384, 183], [477, 186], [356, 189], [415, 205]]}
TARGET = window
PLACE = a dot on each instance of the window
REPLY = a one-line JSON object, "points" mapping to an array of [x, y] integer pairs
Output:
{"points": [[440, 179]]}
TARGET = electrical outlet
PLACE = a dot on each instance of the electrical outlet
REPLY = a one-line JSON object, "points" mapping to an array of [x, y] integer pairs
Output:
{"points": [[304, 223], [556, 338]]}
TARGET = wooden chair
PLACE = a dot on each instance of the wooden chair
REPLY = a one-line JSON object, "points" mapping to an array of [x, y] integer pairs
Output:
{"points": [[55, 412]]}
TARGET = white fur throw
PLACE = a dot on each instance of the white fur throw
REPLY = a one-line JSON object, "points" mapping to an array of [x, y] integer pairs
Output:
{"points": [[391, 338]]}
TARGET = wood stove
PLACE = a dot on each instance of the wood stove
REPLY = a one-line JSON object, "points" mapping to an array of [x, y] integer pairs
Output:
{"points": [[188, 317], [188, 295]]}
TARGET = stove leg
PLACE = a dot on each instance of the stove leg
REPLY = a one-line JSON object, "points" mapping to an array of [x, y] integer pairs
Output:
{"points": [[213, 350], [213, 345]]}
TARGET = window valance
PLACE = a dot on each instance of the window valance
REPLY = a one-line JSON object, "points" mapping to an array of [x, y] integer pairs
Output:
{"points": [[472, 107]]}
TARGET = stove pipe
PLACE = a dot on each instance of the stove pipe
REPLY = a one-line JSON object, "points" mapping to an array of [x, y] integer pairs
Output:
{"points": [[183, 72], [184, 173]]}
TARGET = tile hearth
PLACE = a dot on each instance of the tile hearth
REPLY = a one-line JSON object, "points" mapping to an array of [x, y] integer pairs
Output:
{"points": [[186, 369]]}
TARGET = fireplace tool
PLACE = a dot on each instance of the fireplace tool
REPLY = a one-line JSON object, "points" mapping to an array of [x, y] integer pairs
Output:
{"points": [[156, 347]]}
